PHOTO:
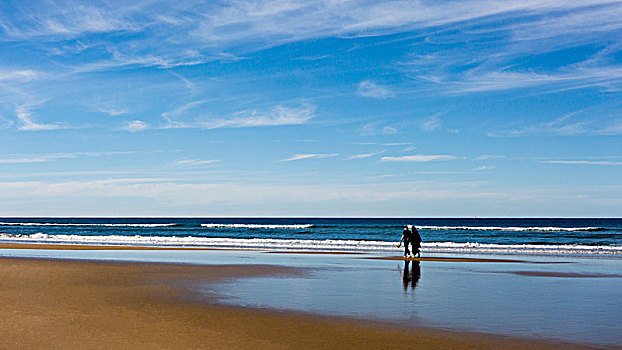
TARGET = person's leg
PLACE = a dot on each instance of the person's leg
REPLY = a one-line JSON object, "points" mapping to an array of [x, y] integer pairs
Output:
{"points": [[406, 251]]}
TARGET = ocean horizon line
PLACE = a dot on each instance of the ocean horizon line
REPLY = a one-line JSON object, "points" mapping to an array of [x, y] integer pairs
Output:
{"points": [[319, 217]]}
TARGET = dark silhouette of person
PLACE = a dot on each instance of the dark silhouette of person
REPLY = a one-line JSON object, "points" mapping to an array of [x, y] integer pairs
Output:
{"points": [[411, 276], [416, 242], [406, 238]]}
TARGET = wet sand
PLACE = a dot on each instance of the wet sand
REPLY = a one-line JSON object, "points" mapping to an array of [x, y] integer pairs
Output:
{"points": [[565, 274], [65, 304], [446, 259]]}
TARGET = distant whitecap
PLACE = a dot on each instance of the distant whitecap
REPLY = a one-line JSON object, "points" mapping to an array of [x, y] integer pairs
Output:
{"points": [[258, 226]]}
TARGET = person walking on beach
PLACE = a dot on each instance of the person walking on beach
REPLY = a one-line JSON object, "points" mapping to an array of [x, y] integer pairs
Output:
{"points": [[416, 242], [406, 238]]}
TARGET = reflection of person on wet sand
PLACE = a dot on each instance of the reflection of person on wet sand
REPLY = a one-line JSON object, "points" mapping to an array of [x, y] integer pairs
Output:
{"points": [[411, 276]]}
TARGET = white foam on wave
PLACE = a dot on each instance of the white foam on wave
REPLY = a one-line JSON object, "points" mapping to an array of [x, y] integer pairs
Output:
{"points": [[76, 224], [510, 229], [258, 226], [560, 249], [317, 245]]}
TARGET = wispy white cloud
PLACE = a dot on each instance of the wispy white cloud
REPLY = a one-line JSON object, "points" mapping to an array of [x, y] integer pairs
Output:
{"points": [[24, 75], [385, 176], [122, 61], [391, 144], [397, 144], [577, 21], [434, 123], [295, 20], [605, 77], [173, 124], [288, 20], [431, 124], [187, 83], [192, 115], [441, 172], [389, 130], [377, 128], [135, 126], [68, 20], [484, 167], [364, 155], [582, 162], [368, 88], [113, 111], [566, 125], [490, 156], [197, 162], [172, 117], [313, 58], [25, 160], [419, 158], [61, 174], [310, 156], [40, 158], [24, 115], [514, 39], [277, 116]]}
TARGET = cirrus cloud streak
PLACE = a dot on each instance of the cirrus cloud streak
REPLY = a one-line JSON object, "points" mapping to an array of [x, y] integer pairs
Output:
{"points": [[419, 158]]}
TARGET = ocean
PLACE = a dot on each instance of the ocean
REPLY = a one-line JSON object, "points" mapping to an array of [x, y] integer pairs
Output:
{"points": [[541, 236]]}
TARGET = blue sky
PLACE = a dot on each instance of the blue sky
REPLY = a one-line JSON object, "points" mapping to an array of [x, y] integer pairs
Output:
{"points": [[311, 108]]}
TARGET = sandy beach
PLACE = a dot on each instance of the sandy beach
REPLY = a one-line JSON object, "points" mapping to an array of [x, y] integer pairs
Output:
{"points": [[69, 304]]}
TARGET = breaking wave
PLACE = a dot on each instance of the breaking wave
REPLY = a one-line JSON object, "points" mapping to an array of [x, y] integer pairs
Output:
{"points": [[511, 229], [258, 226], [86, 224], [316, 245]]}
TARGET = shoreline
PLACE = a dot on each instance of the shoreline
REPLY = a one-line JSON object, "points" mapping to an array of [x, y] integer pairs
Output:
{"points": [[311, 246], [87, 303], [61, 246]]}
